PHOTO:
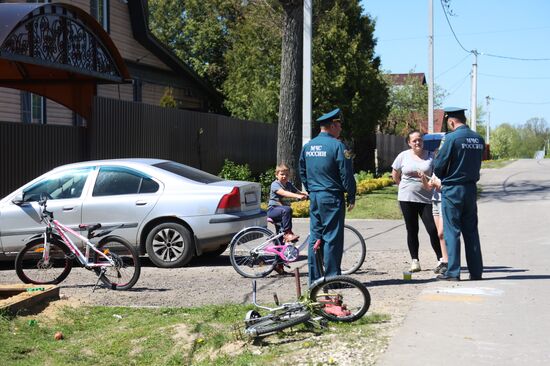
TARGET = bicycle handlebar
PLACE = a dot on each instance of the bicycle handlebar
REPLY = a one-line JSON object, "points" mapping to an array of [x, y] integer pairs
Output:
{"points": [[317, 245]]}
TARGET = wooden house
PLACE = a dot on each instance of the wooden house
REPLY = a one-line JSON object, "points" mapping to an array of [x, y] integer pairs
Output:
{"points": [[152, 68]]}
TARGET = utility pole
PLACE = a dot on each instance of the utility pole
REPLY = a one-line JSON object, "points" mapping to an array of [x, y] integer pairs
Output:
{"points": [[431, 67], [306, 76], [488, 127], [473, 115]]}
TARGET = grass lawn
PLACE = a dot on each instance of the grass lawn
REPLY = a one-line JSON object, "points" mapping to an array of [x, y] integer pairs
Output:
{"points": [[166, 336], [495, 164], [379, 204]]}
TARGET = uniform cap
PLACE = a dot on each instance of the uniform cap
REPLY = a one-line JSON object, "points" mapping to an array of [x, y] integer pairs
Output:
{"points": [[329, 117], [454, 112]]}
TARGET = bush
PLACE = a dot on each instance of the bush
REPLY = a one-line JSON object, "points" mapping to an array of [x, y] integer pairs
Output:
{"points": [[366, 183], [234, 171], [300, 209], [265, 180], [167, 99], [363, 175]]}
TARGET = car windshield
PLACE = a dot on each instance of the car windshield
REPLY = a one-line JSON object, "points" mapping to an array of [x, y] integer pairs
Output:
{"points": [[188, 172]]}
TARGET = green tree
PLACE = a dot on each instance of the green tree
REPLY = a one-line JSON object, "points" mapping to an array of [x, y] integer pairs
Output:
{"points": [[505, 141], [408, 105], [197, 31], [167, 99], [533, 135], [237, 44], [347, 74], [254, 64]]}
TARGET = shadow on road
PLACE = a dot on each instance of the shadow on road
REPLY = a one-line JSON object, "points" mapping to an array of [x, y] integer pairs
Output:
{"points": [[516, 191]]}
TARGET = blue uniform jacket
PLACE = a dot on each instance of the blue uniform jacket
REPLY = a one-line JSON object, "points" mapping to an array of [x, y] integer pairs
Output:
{"points": [[459, 158], [325, 166]]}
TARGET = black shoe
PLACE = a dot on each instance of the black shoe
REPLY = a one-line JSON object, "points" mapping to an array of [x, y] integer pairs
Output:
{"points": [[475, 278], [444, 277], [441, 268]]}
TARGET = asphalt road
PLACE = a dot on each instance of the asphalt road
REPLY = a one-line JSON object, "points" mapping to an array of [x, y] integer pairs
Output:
{"points": [[503, 319]]}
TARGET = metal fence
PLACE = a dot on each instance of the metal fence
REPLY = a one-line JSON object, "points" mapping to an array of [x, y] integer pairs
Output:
{"points": [[28, 150], [121, 129], [387, 149], [203, 140]]}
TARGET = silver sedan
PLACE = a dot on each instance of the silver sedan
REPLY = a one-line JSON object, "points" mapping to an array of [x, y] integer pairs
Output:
{"points": [[171, 211]]}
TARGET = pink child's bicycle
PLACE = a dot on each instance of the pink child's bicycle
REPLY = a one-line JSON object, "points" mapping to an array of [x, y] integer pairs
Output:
{"points": [[256, 251], [48, 258]]}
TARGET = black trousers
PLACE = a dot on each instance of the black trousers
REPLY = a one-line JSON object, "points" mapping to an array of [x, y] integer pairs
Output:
{"points": [[411, 212]]}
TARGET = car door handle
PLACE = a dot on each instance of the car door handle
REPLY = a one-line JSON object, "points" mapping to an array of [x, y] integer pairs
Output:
{"points": [[141, 203], [68, 208]]}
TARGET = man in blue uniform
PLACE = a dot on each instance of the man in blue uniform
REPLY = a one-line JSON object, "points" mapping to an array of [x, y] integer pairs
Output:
{"points": [[326, 172], [457, 164]]}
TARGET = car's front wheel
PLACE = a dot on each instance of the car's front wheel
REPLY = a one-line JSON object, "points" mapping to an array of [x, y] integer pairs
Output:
{"points": [[169, 245]]}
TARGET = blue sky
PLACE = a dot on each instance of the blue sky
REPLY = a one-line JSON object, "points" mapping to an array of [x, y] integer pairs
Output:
{"points": [[519, 90]]}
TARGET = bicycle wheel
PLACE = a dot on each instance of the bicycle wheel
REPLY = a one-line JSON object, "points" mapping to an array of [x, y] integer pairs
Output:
{"points": [[273, 323], [248, 262], [125, 273], [31, 267], [340, 298], [354, 250]]}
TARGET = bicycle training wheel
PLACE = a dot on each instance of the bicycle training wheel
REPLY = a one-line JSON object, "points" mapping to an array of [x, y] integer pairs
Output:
{"points": [[31, 267], [340, 298], [246, 258], [125, 273], [354, 250], [273, 323]]}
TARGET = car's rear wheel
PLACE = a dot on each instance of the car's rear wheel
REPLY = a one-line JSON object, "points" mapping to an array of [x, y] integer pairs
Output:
{"points": [[169, 245]]}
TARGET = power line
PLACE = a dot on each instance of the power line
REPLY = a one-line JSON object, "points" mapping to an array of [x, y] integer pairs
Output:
{"points": [[461, 81], [452, 67], [450, 26], [505, 31], [517, 77], [514, 58], [486, 54], [515, 102]]}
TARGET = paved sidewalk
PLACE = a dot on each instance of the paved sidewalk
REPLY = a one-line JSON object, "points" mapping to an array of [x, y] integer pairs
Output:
{"points": [[504, 319]]}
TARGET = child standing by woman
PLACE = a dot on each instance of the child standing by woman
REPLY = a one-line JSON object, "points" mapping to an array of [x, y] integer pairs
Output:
{"points": [[279, 204]]}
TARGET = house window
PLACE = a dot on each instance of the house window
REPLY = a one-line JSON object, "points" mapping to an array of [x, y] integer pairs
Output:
{"points": [[77, 120], [38, 107], [99, 9], [33, 108]]}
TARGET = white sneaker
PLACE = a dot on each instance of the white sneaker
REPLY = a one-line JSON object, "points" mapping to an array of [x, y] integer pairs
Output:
{"points": [[415, 266]]}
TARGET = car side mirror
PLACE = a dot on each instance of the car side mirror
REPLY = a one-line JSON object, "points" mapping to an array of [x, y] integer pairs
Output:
{"points": [[18, 199]]}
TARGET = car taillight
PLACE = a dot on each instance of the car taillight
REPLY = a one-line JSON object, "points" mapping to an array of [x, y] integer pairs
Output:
{"points": [[230, 202]]}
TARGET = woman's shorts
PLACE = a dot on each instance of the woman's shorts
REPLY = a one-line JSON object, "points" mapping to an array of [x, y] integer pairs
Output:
{"points": [[436, 208]]}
